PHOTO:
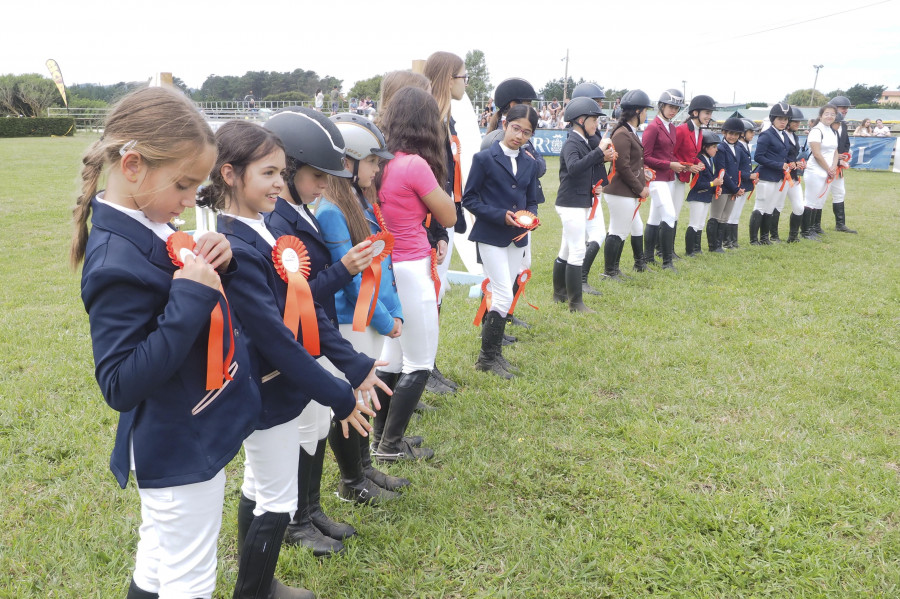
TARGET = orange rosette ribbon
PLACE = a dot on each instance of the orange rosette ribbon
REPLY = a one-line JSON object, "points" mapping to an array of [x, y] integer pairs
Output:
{"points": [[526, 220], [485, 303], [292, 265], [595, 192], [179, 245], [382, 245], [719, 187], [523, 278], [693, 180]]}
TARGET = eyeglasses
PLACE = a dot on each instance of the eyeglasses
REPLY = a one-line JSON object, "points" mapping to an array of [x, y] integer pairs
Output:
{"points": [[527, 133], [464, 76]]}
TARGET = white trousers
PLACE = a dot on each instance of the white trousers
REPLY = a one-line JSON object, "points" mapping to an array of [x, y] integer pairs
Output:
{"points": [[698, 214], [574, 227], [815, 184], [735, 216], [837, 191], [444, 267], [622, 217], [595, 228], [662, 207], [176, 552], [526, 257], [679, 191], [767, 196], [270, 468], [501, 266], [795, 195], [416, 348]]}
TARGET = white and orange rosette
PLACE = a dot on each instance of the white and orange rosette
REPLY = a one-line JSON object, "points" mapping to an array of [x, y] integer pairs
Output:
{"points": [[382, 246], [526, 220], [292, 264], [485, 302], [179, 245]]}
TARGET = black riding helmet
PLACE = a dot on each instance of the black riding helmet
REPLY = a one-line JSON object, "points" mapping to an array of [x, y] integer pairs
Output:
{"points": [[672, 97], [636, 99], [749, 125], [580, 107], [710, 138], [701, 102], [588, 90], [734, 124], [841, 102], [310, 138], [513, 89], [782, 109], [797, 114]]}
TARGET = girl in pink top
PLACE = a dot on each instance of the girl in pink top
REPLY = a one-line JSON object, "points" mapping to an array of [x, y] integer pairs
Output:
{"points": [[408, 191]]}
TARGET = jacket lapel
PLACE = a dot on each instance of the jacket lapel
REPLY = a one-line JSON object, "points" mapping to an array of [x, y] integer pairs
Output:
{"points": [[504, 161]]}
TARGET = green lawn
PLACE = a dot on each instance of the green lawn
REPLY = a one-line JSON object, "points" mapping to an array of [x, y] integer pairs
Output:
{"points": [[729, 431]]}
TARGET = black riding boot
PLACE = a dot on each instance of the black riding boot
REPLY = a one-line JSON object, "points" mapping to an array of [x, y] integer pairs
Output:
{"points": [[689, 242], [651, 235], [773, 227], [723, 234], [698, 241], [675, 256], [574, 290], [755, 223], [389, 379], [589, 254], [794, 222], [136, 592], [764, 227], [492, 346], [817, 222], [667, 233], [559, 280], [301, 531], [712, 236], [734, 236], [637, 250], [393, 446], [259, 555], [611, 251], [354, 485], [383, 480], [840, 223], [335, 530], [806, 224]]}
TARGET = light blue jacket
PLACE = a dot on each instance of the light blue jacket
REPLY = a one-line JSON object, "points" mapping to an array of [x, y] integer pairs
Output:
{"points": [[337, 238]]}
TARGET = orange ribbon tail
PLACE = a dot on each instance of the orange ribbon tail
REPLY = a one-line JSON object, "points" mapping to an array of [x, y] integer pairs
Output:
{"points": [[368, 296], [300, 312], [524, 277], [485, 303]]}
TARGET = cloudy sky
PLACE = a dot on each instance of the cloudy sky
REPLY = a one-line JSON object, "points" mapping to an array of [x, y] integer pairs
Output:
{"points": [[746, 51]]}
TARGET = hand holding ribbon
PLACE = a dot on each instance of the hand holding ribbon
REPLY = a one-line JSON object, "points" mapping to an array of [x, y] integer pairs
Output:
{"points": [[720, 178], [181, 249], [381, 245], [526, 220]]}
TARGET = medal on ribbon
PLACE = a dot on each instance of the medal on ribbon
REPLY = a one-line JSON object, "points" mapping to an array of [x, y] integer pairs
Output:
{"points": [[180, 245], [382, 245], [292, 265], [526, 220]]}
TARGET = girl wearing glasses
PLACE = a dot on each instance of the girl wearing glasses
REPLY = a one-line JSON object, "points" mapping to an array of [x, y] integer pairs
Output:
{"points": [[502, 181], [448, 76]]}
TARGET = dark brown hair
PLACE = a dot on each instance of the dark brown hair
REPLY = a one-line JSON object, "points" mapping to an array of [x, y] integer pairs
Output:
{"points": [[412, 124], [159, 123], [239, 143]]}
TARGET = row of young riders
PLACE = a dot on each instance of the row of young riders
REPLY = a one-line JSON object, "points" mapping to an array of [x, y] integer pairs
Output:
{"points": [[195, 376], [689, 162]]}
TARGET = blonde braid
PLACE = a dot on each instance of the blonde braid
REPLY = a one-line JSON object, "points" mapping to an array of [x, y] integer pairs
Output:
{"points": [[94, 160]]}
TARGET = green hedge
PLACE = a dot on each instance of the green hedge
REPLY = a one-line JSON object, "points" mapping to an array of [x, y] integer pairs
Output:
{"points": [[37, 127]]}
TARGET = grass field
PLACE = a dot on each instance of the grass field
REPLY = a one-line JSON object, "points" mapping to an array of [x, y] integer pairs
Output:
{"points": [[729, 431]]}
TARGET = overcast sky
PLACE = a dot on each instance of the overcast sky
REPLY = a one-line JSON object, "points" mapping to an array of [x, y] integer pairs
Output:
{"points": [[98, 41]]}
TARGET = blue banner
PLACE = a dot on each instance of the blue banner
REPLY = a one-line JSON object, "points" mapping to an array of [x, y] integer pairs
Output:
{"points": [[868, 153]]}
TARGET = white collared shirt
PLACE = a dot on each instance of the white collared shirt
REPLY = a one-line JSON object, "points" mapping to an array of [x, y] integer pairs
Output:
{"points": [[258, 225], [302, 211], [161, 230], [511, 154]]}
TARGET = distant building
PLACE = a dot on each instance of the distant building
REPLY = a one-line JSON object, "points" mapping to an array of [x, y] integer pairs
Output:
{"points": [[889, 96]]}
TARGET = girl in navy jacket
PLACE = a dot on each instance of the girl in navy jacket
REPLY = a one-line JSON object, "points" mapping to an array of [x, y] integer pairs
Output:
{"points": [[748, 176], [727, 161], [246, 181], [772, 157], [183, 413], [701, 195], [315, 151], [502, 181]]}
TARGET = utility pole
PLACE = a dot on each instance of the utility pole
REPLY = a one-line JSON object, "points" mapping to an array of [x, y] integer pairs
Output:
{"points": [[684, 88], [815, 81], [566, 78]]}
